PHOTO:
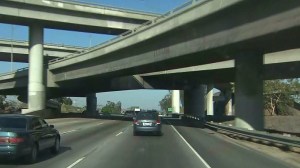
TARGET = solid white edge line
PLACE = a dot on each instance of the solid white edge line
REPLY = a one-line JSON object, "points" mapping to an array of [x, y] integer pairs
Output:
{"points": [[195, 152], [77, 161], [119, 133]]}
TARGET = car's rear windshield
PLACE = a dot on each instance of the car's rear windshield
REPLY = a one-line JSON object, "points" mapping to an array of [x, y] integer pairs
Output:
{"points": [[12, 123], [147, 116]]}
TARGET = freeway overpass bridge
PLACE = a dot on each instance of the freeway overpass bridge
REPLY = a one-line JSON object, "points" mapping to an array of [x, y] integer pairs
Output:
{"points": [[70, 15], [219, 74], [201, 33], [66, 15], [17, 51]]}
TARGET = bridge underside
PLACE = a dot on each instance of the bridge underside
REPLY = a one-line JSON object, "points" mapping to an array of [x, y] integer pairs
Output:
{"points": [[183, 80], [217, 37]]}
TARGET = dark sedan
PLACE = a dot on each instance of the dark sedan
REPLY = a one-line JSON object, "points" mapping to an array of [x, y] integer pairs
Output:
{"points": [[25, 136], [147, 122]]}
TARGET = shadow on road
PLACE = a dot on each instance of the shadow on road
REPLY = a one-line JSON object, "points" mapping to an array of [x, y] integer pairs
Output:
{"points": [[148, 134], [42, 156]]}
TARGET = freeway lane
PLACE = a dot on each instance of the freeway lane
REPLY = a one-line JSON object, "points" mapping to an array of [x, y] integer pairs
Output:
{"points": [[94, 143], [220, 152], [126, 150], [90, 133]]}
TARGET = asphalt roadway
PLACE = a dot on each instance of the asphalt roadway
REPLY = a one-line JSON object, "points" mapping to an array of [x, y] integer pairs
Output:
{"points": [[95, 143]]}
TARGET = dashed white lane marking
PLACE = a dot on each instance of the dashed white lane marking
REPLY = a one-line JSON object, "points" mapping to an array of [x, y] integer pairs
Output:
{"points": [[68, 132], [99, 123], [195, 152], [77, 161], [119, 133]]}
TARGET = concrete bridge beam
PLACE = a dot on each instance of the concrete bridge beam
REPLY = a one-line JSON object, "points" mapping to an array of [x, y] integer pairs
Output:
{"points": [[209, 100], [91, 104], [36, 84], [249, 91], [194, 101], [176, 101], [228, 102]]}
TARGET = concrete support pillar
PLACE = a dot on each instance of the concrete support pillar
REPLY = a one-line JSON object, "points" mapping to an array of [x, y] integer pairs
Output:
{"points": [[36, 84], [194, 101], [181, 97], [176, 101], [228, 102], [209, 100], [91, 104], [249, 91]]}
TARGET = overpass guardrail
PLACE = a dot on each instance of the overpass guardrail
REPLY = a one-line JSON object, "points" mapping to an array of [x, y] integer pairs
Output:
{"points": [[259, 135], [25, 42], [104, 6]]}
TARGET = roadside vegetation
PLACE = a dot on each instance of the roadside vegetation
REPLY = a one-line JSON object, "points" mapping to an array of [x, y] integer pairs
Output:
{"points": [[280, 96], [112, 107]]}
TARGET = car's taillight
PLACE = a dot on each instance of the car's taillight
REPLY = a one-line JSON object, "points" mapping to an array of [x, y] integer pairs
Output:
{"points": [[11, 140], [16, 140], [136, 122], [158, 122]]}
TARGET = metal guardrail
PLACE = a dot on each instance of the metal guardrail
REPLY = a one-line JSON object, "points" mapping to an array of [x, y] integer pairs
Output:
{"points": [[259, 135], [121, 36], [288, 141]]}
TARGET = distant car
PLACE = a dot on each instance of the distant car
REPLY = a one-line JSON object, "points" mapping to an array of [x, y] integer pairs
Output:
{"points": [[147, 122], [25, 136]]}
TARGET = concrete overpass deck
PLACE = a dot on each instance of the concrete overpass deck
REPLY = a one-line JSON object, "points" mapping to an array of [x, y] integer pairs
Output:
{"points": [[277, 65], [19, 50], [69, 15], [207, 32]]}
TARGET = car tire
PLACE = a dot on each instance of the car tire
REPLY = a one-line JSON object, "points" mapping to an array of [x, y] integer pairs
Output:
{"points": [[135, 133], [55, 149], [32, 157], [159, 133]]}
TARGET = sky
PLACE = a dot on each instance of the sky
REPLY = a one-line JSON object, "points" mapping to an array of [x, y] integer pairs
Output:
{"points": [[146, 99]]}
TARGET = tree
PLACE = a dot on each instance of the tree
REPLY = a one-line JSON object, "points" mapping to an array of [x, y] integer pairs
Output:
{"points": [[68, 101], [112, 107], [64, 100], [166, 102], [279, 94]]}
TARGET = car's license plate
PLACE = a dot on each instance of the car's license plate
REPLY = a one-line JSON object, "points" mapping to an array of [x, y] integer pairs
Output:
{"points": [[147, 124]]}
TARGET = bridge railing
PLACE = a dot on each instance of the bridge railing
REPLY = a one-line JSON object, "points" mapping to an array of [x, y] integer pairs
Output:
{"points": [[121, 36], [25, 42], [14, 41], [257, 135], [183, 6], [97, 5]]}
